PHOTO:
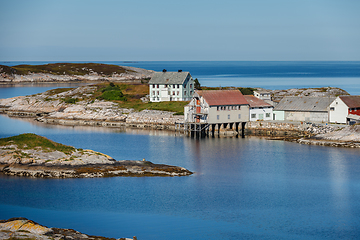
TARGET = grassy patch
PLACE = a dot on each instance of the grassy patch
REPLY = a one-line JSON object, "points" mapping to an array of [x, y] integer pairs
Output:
{"points": [[247, 91], [177, 107], [112, 92], [70, 100], [33, 141]]}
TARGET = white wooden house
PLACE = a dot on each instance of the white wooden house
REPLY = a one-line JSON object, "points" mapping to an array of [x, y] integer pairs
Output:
{"points": [[171, 86], [259, 109], [345, 109]]}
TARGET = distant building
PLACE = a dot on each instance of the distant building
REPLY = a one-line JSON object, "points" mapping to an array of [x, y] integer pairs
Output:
{"points": [[345, 109], [259, 109], [171, 86], [308, 109], [217, 107], [264, 95]]}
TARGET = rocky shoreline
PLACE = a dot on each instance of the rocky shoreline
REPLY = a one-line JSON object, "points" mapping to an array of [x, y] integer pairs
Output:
{"points": [[50, 108], [22, 228], [30, 155]]}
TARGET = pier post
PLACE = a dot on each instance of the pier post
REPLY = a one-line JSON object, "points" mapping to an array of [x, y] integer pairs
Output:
{"points": [[243, 129], [192, 130]]}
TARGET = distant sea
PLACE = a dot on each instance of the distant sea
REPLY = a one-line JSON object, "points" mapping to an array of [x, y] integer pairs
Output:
{"points": [[264, 74]]}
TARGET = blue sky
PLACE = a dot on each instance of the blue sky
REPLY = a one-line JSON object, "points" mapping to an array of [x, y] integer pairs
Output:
{"points": [[119, 30]]}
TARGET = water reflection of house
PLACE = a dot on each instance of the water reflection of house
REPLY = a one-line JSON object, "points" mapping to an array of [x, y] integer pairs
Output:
{"points": [[345, 109], [308, 109], [171, 86], [216, 109], [259, 109]]}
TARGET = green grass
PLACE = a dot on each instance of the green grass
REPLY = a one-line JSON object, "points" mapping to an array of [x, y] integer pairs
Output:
{"points": [[70, 100], [112, 92], [66, 68], [177, 107], [33, 141], [247, 91]]}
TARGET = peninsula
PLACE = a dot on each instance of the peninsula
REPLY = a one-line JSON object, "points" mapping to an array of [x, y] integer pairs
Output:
{"points": [[31, 155], [72, 72]]}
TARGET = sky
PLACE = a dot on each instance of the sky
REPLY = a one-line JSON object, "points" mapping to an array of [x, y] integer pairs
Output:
{"points": [[186, 30]]}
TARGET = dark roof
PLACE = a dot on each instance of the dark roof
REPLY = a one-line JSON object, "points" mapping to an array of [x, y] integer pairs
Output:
{"points": [[223, 97], [169, 77], [308, 104], [351, 101], [256, 102]]}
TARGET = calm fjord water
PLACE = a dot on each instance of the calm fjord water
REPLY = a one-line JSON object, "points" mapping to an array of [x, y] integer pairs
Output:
{"points": [[248, 188]]}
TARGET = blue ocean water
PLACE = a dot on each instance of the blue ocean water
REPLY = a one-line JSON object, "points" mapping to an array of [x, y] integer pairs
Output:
{"points": [[248, 188], [268, 75]]}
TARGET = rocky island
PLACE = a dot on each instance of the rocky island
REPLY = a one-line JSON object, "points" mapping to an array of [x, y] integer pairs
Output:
{"points": [[72, 72], [31, 155], [22, 228]]}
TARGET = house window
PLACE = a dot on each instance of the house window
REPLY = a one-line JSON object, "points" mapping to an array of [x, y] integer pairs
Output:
{"points": [[184, 92], [157, 86], [177, 93], [191, 85], [239, 116], [178, 86], [174, 93], [267, 115], [153, 93], [166, 85], [157, 92], [173, 85], [229, 116], [190, 92], [253, 115], [218, 117], [153, 85], [218, 108], [332, 109]]}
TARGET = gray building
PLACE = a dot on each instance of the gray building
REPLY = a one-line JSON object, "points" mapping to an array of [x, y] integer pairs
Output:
{"points": [[307, 109]]}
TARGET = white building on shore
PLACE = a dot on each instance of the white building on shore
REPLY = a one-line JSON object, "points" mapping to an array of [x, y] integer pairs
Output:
{"points": [[171, 86], [259, 109]]}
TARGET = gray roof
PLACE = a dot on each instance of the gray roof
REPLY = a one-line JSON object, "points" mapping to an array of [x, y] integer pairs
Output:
{"points": [[169, 77], [304, 104]]}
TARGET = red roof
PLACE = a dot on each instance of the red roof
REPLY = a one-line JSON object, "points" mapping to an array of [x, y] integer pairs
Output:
{"points": [[256, 102], [351, 101], [223, 97]]}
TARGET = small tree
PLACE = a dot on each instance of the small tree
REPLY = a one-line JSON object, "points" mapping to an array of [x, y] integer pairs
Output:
{"points": [[197, 84]]}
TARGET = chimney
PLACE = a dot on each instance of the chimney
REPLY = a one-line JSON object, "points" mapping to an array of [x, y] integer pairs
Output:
{"points": [[164, 70], [179, 70]]}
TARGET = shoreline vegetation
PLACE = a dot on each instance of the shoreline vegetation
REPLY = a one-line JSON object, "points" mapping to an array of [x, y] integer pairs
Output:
{"points": [[30, 155], [22, 228]]}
